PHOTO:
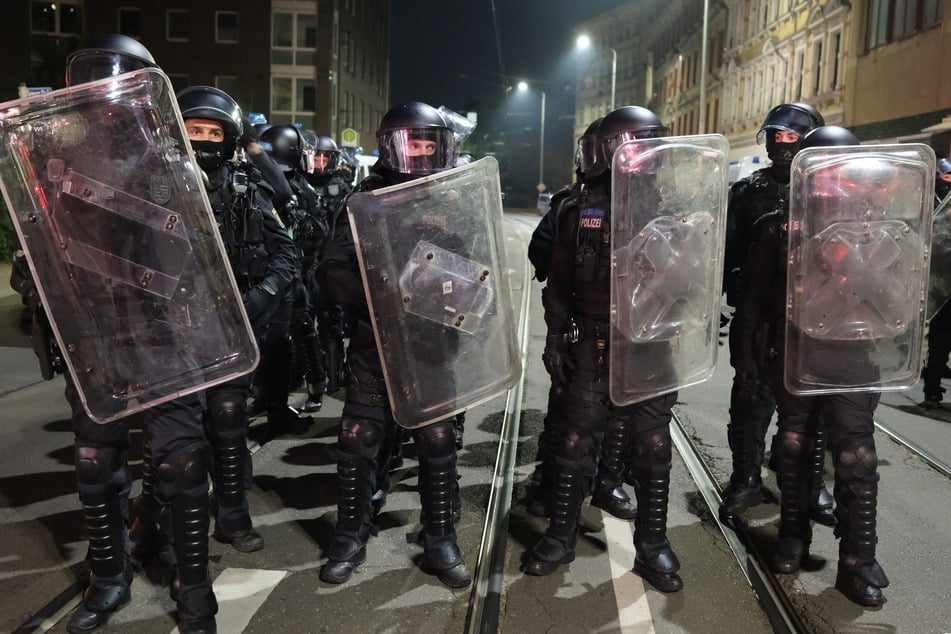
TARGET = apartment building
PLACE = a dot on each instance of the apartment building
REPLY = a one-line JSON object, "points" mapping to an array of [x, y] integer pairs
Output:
{"points": [[878, 67], [321, 63]]}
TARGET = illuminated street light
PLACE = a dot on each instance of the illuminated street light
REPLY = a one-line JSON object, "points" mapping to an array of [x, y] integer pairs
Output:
{"points": [[584, 42], [523, 87]]}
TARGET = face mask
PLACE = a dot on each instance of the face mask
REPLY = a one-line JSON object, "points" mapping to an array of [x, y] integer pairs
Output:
{"points": [[209, 154], [781, 154]]}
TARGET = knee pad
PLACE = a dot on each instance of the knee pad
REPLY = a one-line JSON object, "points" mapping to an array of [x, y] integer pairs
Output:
{"points": [[578, 447], [358, 438], [184, 468], [97, 465], [436, 440], [857, 461], [652, 448], [792, 445], [227, 412]]}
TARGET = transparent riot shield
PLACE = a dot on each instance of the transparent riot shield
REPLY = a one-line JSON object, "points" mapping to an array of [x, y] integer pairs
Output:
{"points": [[939, 278], [668, 213], [432, 259], [117, 228], [859, 230]]}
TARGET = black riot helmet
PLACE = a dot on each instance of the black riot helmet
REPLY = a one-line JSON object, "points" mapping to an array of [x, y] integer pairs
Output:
{"points": [[943, 166], [787, 117], [285, 144], [207, 102], [107, 55], [829, 136], [624, 124], [414, 138], [327, 148], [589, 150]]}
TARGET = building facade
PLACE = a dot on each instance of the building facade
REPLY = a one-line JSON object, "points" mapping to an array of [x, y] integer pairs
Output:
{"points": [[878, 67], [323, 64]]}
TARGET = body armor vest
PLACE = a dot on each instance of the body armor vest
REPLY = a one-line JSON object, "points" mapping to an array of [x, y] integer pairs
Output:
{"points": [[759, 194], [592, 267], [235, 203]]}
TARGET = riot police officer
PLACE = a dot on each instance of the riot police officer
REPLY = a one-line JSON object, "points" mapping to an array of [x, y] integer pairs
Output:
{"points": [[308, 227], [752, 404], [332, 181], [414, 140], [609, 493], [577, 305], [848, 415], [939, 330], [174, 432], [264, 262]]}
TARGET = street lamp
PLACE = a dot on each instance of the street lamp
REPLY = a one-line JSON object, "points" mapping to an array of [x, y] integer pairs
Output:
{"points": [[584, 42], [703, 68], [523, 87]]}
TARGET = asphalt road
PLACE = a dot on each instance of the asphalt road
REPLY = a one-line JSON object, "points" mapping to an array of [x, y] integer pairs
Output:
{"points": [[293, 503]]}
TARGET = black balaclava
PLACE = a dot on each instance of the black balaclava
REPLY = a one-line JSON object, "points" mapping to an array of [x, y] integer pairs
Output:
{"points": [[209, 154]]}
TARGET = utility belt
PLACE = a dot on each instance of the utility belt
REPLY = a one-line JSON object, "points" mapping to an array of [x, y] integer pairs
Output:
{"points": [[578, 329], [591, 331]]}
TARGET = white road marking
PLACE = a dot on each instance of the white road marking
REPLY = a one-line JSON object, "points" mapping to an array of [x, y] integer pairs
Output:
{"points": [[634, 614], [240, 592]]}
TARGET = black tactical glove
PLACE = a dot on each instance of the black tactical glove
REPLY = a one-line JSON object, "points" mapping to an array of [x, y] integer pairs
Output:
{"points": [[556, 358], [249, 135], [256, 301]]}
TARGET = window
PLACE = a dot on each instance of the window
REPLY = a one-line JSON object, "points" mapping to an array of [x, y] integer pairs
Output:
{"points": [[797, 74], [176, 25], [892, 20], [293, 100], [835, 49], [346, 52], [228, 83], [294, 39], [56, 18], [817, 68], [226, 27], [130, 22]]}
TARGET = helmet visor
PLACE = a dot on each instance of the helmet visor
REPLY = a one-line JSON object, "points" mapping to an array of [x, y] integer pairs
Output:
{"points": [[88, 66], [418, 151], [788, 120], [611, 143], [325, 161], [588, 154]]}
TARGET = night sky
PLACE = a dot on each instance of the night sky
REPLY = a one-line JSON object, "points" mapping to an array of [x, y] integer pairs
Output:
{"points": [[447, 53]]}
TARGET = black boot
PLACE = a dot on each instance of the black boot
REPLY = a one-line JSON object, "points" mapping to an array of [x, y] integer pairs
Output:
{"points": [[441, 551], [308, 344], [821, 502], [557, 546], [745, 488], [860, 577], [539, 496], [101, 476], [101, 599], [609, 494], [654, 559], [348, 549], [229, 442], [148, 533], [192, 589], [795, 533]]}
